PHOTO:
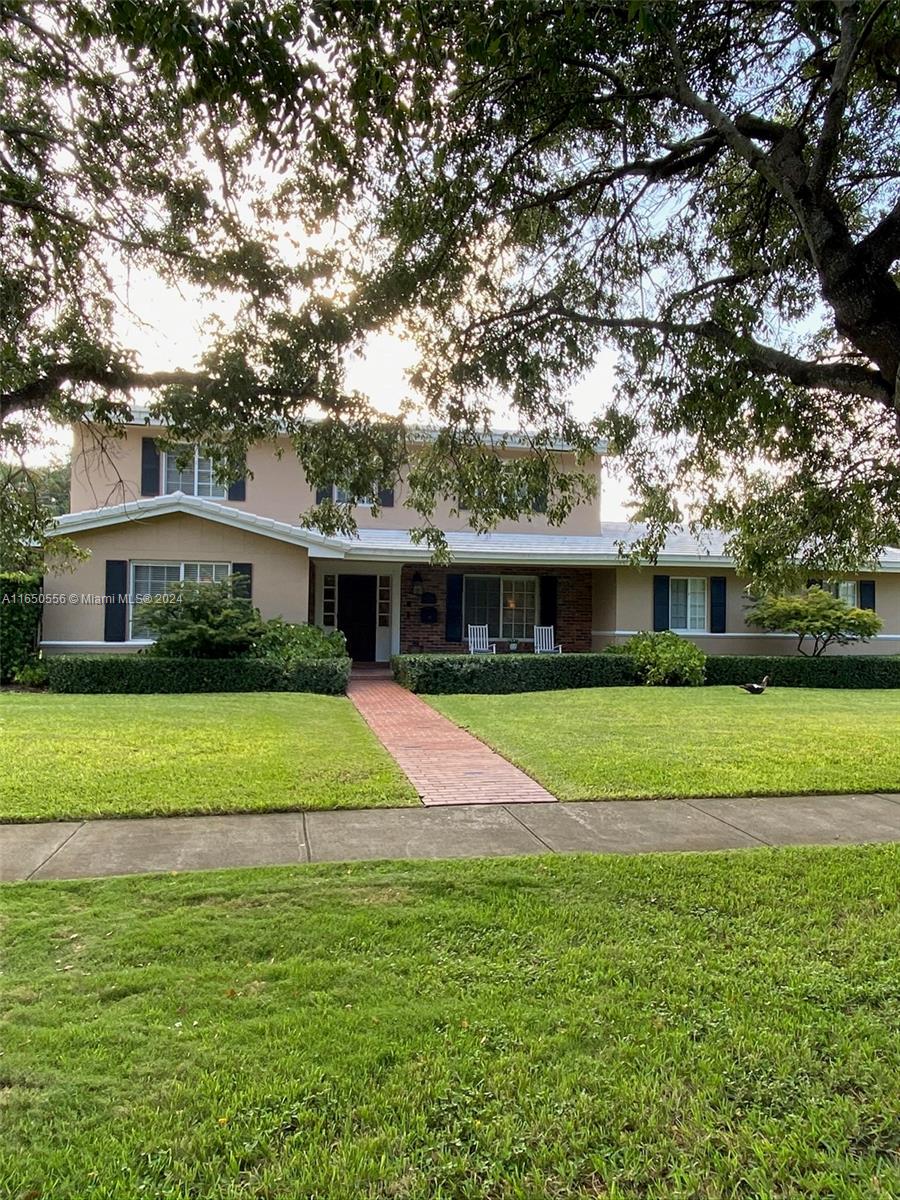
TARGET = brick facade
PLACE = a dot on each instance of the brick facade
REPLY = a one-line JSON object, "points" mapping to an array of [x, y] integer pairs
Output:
{"points": [[574, 606]]}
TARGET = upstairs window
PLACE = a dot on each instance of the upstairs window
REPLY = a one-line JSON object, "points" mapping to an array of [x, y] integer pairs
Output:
{"points": [[384, 499], [197, 478], [341, 497]]}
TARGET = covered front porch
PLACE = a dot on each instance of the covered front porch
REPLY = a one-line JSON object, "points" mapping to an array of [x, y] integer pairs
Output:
{"points": [[386, 608]]}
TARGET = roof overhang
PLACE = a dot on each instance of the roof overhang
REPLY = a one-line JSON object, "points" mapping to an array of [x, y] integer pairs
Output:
{"points": [[177, 503], [380, 546], [525, 555], [507, 439]]}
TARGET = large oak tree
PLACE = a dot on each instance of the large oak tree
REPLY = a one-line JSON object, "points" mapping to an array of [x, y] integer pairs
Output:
{"points": [[710, 188]]}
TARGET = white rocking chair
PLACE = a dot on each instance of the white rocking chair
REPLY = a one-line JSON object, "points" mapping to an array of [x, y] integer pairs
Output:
{"points": [[545, 640], [478, 640]]}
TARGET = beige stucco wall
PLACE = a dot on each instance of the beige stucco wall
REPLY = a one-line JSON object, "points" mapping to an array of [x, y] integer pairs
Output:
{"points": [[626, 606], [604, 598], [276, 487], [280, 570]]}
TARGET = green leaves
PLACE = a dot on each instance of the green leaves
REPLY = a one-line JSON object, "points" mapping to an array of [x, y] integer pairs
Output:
{"points": [[513, 187], [200, 620], [817, 614], [665, 659]]}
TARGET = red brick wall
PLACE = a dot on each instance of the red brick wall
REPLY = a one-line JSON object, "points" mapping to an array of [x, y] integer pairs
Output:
{"points": [[574, 612]]}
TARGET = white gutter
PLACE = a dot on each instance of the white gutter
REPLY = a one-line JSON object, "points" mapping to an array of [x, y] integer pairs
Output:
{"points": [[575, 558], [320, 546], [417, 434]]}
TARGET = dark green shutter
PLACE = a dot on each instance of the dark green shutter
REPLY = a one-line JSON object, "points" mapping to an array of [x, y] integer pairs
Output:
{"points": [[548, 590], [115, 610], [539, 505], [149, 467], [386, 497], [454, 622], [243, 587], [324, 493], [867, 593], [717, 590], [660, 603], [237, 490]]}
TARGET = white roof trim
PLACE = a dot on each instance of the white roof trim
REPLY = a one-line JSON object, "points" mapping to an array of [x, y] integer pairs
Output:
{"points": [[206, 510], [528, 553], [418, 434], [395, 545]]}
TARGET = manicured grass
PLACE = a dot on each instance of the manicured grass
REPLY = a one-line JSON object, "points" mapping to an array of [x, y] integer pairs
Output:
{"points": [[106, 756], [605, 743], [659, 1027]]}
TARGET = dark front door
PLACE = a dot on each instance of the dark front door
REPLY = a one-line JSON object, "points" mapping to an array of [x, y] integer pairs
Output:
{"points": [[356, 614]]}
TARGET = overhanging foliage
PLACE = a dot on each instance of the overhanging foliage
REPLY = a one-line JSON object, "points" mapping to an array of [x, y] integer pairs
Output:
{"points": [[713, 190]]}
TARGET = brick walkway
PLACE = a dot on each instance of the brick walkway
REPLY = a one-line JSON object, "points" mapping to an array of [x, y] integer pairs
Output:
{"points": [[445, 764]]}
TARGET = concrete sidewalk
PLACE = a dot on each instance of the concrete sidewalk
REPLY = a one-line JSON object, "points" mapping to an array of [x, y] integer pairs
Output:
{"points": [[72, 849]]}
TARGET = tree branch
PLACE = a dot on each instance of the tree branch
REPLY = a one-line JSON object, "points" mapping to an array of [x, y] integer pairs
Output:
{"points": [[851, 44], [849, 379], [837, 99], [39, 391], [845, 378], [741, 143], [882, 245], [696, 152]]}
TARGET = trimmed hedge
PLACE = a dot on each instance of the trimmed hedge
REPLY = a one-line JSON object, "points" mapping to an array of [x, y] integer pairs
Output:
{"points": [[20, 619], [844, 671], [139, 673], [441, 674], [487, 674]]}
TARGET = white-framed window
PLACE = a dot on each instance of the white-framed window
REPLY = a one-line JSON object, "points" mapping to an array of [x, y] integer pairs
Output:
{"points": [[384, 601], [197, 478], [157, 578], [688, 604], [329, 601], [339, 496], [507, 604], [845, 589]]}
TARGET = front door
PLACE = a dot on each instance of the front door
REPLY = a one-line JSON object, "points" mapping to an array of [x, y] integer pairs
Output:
{"points": [[356, 614]]}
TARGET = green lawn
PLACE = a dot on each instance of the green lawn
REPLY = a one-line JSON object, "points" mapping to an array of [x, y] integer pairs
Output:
{"points": [[668, 1027], [605, 743], [105, 756]]}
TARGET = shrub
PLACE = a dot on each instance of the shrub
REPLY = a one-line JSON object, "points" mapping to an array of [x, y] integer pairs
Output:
{"points": [[438, 674], [665, 659], [846, 671], [142, 673], [201, 620], [33, 673], [815, 614], [20, 619], [286, 644]]}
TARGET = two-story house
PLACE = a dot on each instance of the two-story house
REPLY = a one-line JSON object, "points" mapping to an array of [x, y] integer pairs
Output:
{"points": [[147, 524]]}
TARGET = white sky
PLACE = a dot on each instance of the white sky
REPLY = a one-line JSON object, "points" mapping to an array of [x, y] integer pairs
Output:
{"points": [[167, 334]]}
